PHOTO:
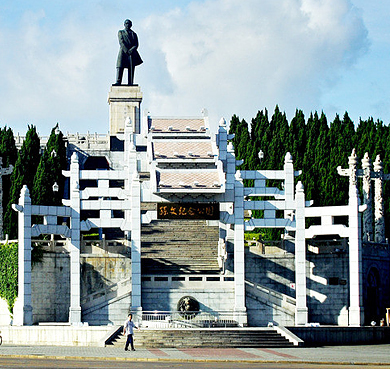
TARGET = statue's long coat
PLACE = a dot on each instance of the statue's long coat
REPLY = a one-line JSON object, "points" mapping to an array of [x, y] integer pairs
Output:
{"points": [[128, 41]]}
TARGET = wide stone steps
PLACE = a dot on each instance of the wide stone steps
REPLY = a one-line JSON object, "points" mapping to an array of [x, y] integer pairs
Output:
{"points": [[157, 266], [156, 244], [169, 338], [180, 235], [178, 254], [179, 246]]}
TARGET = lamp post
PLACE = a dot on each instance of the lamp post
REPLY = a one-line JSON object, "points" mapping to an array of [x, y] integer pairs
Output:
{"points": [[55, 187]]}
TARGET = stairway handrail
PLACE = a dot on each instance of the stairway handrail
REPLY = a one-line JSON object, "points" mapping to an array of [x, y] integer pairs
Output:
{"points": [[269, 291], [105, 290]]}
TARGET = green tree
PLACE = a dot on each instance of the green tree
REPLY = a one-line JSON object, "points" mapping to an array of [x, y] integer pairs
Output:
{"points": [[297, 138], [49, 171], [8, 153], [9, 273], [23, 174]]}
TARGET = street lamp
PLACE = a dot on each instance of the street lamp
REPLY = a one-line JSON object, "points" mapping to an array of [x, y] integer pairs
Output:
{"points": [[55, 187]]}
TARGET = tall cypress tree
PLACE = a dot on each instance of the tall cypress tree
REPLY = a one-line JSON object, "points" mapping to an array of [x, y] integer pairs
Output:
{"points": [[261, 134], [317, 148], [23, 174], [297, 138], [49, 171], [8, 153]]}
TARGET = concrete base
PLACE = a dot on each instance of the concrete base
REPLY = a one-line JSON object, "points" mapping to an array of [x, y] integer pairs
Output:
{"points": [[61, 335], [356, 316], [241, 317], [301, 315], [55, 335], [75, 315], [318, 336], [23, 314], [5, 316], [125, 102]]}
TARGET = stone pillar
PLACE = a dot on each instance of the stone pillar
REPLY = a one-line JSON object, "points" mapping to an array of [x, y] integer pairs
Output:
{"points": [[288, 181], [379, 213], [300, 257], [355, 248], [130, 164], [222, 254], [125, 102], [3, 171], [75, 308], [23, 309], [221, 140], [367, 199], [239, 253], [136, 305]]}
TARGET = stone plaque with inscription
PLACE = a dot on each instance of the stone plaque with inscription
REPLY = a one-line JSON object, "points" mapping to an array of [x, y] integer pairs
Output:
{"points": [[209, 211]]}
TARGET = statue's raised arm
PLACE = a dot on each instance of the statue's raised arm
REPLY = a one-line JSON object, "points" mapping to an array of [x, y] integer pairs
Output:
{"points": [[128, 56]]}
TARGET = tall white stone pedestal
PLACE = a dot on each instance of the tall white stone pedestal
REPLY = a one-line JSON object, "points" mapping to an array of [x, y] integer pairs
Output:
{"points": [[125, 102]]}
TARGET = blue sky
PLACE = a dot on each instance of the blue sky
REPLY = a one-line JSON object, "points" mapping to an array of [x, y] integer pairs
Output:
{"points": [[57, 59]]}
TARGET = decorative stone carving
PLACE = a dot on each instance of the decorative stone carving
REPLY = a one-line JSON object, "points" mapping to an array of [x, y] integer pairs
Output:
{"points": [[367, 199], [378, 212], [188, 306], [352, 162]]}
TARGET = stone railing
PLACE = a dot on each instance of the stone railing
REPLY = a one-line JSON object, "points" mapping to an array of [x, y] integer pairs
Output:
{"points": [[84, 140], [96, 247], [189, 319], [107, 293], [89, 141], [164, 279], [4, 242], [103, 246], [271, 297]]}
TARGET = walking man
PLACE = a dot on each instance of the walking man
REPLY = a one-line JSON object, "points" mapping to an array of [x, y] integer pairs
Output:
{"points": [[128, 330]]}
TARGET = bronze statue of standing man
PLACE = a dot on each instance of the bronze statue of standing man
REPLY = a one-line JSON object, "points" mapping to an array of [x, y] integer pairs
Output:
{"points": [[128, 56]]}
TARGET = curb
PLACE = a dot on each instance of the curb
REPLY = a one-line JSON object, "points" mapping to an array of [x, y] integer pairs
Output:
{"points": [[157, 359]]}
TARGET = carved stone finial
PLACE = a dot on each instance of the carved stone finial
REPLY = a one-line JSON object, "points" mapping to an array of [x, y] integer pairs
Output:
{"points": [[24, 198], [352, 160], [366, 162], [378, 164], [74, 158], [222, 122], [128, 122], [25, 192], [288, 158], [299, 187]]}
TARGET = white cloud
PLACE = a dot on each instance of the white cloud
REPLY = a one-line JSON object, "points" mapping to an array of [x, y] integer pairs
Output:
{"points": [[237, 58], [51, 73], [229, 57]]}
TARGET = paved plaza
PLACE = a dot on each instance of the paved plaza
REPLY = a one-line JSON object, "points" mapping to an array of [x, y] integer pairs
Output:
{"points": [[336, 355]]}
